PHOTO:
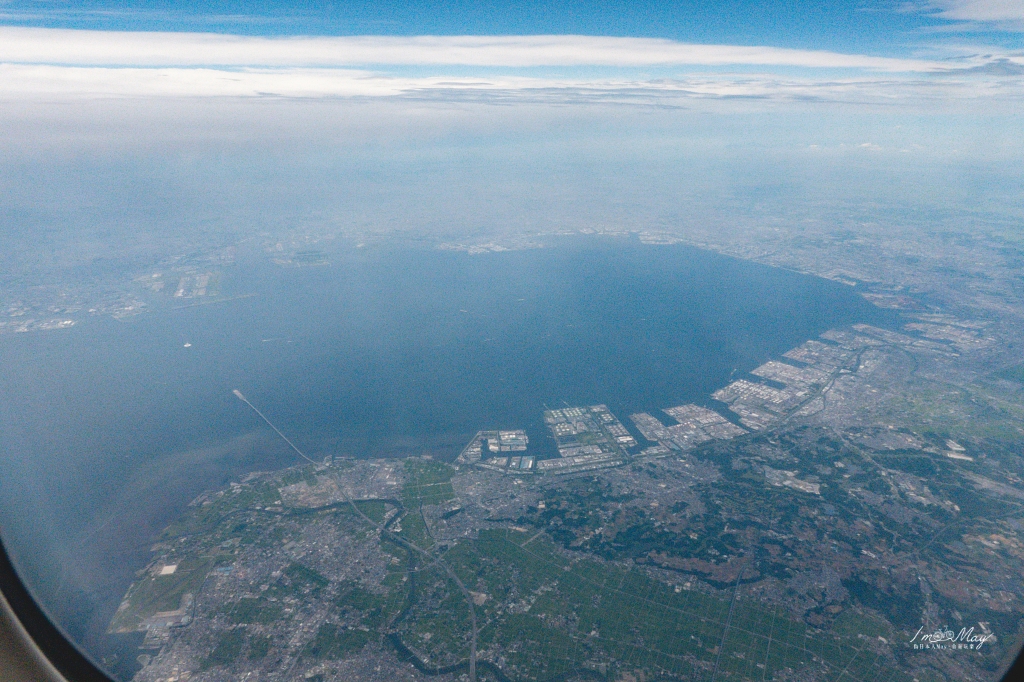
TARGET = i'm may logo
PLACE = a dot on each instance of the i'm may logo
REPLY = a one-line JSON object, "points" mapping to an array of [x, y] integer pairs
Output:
{"points": [[946, 639]]}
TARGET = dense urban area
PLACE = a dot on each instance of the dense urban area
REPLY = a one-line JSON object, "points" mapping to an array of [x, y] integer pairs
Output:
{"points": [[848, 510]]}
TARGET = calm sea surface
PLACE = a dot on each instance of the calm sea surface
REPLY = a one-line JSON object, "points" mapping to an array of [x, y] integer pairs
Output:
{"points": [[108, 429]]}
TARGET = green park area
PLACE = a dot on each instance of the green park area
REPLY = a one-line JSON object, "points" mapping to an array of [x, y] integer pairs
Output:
{"points": [[428, 483], [155, 593]]}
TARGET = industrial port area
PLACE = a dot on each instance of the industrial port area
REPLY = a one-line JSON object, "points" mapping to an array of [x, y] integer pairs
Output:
{"points": [[589, 438]]}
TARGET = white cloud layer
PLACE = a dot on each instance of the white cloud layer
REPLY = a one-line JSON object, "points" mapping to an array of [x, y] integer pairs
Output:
{"points": [[981, 10], [44, 81], [70, 64], [980, 15], [104, 48]]}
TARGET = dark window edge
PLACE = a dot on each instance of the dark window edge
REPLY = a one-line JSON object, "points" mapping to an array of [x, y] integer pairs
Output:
{"points": [[51, 642]]}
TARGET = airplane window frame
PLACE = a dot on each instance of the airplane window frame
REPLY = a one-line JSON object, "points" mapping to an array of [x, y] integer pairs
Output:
{"points": [[51, 643]]}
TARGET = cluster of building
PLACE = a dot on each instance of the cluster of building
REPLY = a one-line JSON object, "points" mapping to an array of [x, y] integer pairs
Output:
{"points": [[757, 404], [579, 463], [587, 438], [593, 438], [192, 286], [908, 342], [507, 441], [823, 356], [158, 626], [21, 326], [587, 430], [496, 442], [962, 334], [510, 465], [787, 385], [696, 425]]}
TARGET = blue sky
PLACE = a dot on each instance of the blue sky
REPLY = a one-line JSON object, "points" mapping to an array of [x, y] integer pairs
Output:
{"points": [[949, 34], [889, 27]]}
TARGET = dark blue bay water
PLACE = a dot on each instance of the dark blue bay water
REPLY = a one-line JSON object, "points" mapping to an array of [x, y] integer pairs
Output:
{"points": [[108, 429]]}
